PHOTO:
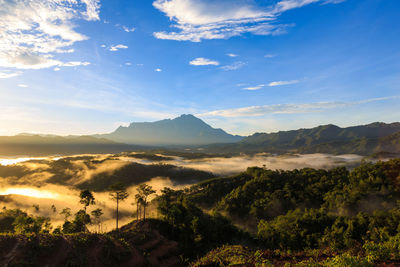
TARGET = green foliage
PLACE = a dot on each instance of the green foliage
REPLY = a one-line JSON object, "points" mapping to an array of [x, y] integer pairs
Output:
{"points": [[195, 229], [27, 224], [295, 230], [78, 225], [17, 221], [347, 260]]}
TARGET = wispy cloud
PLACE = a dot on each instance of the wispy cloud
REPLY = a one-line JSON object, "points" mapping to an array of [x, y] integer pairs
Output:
{"points": [[158, 70], [200, 61], [75, 64], [33, 32], [269, 55], [279, 83], [254, 88], [126, 29], [234, 66], [196, 20], [9, 74], [114, 48], [255, 111], [231, 55], [22, 85]]}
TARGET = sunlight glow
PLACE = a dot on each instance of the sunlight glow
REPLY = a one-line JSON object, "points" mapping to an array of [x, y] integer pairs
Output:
{"points": [[29, 192], [6, 162]]}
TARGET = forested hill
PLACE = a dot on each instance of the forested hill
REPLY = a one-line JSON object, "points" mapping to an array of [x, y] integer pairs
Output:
{"points": [[364, 140]]}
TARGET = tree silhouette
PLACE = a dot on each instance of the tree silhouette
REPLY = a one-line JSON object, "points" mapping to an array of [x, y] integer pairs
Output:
{"points": [[118, 193], [66, 213], [97, 214], [144, 191], [87, 198], [139, 202], [53, 208]]}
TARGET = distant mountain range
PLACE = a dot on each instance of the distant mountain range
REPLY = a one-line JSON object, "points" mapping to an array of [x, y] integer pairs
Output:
{"points": [[368, 139], [184, 130], [45, 145], [187, 131]]}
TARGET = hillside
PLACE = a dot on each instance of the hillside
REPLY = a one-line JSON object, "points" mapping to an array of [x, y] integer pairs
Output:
{"points": [[184, 130], [368, 139], [137, 244]]}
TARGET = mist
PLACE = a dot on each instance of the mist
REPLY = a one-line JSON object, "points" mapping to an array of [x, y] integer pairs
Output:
{"points": [[58, 181]]}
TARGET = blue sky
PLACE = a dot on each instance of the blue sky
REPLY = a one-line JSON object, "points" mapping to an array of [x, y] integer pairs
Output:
{"points": [[87, 66]]}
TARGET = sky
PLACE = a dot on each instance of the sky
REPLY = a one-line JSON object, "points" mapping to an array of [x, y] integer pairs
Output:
{"points": [[88, 66]]}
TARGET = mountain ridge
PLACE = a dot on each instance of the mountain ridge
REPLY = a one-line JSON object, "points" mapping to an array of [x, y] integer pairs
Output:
{"points": [[366, 139], [183, 130]]}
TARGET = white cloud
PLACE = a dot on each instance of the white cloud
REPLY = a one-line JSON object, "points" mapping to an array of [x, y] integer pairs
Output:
{"points": [[128, 63], [256, 111], [269, 55], [22, 85], [117, 47], [32, 32], [127, 29], [158, 70], [103, 46], [200, 61], [196, 20], [279, 83], [139, 64], [75, 64], [254, 88], [56, 69], [6, 75], [234, 66], [231, 55]]}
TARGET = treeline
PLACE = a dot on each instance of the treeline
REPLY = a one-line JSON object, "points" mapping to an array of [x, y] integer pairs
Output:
{"points": [[298, 209]]}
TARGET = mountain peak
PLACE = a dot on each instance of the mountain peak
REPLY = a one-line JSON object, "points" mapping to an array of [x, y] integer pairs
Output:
{"points": [[186, 129]]}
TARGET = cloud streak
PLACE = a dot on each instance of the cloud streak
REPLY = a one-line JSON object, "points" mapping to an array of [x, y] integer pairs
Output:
{"points": [[257, 111], [200, 61], [196, 20], [279, 83], [234, 66], [254, 88], [114, 48], [6, 75]]}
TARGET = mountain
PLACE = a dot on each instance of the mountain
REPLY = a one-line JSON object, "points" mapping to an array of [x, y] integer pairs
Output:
{"points": [[184, 130], [364, 140], [44, 145]]}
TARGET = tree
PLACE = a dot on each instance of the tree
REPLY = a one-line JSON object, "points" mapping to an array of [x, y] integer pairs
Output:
{"points": [[87, 198], [66, 213], [97, 214], [144, 191], [36, 207], [53, 208], [118, 193], [139, 202]]}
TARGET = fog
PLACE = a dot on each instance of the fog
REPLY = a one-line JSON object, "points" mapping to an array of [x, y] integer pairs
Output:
{"points": [[233, 165], [37, 182]]}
